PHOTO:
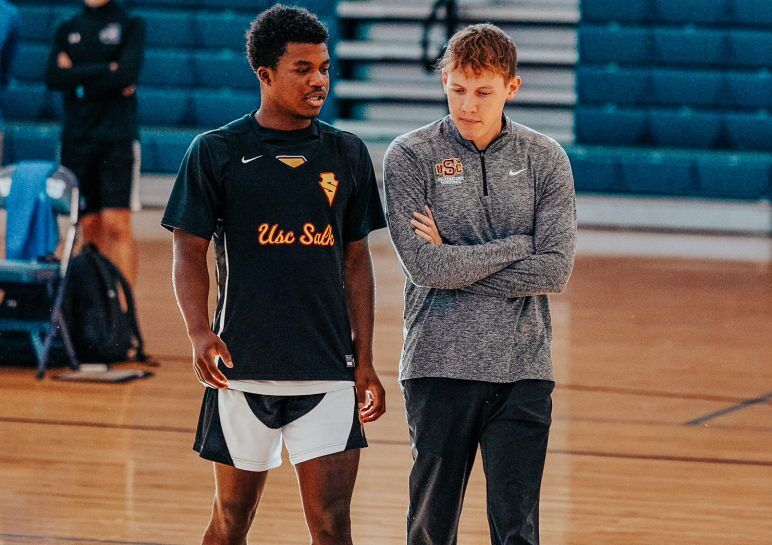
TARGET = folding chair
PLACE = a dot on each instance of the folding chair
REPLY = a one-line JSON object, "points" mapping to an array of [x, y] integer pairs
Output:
{"points": [[32, 288]]}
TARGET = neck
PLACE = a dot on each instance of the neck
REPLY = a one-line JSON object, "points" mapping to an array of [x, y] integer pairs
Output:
{"points": [[107, 4], [280, 121], [482, 142]]}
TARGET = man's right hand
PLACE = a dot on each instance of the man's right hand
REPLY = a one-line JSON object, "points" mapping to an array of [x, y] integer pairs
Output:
{"points": [[63, 61], [207, 347]]}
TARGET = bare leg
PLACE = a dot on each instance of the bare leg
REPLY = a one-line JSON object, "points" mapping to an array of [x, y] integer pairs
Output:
{"points": [[91, 225], [237, 494], [118, 241], [326, 486]]}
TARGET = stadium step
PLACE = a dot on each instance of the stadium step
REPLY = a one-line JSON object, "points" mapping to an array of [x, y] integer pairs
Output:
{"points": [[385, 90], [531, 11]]}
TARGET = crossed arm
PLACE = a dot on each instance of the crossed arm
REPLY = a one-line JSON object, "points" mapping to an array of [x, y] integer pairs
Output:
{"points": [[429, 265], [98, 78], [541, 265]]}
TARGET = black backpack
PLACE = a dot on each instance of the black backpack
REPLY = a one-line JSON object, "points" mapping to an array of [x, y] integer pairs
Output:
{"points": [[99, 309]]}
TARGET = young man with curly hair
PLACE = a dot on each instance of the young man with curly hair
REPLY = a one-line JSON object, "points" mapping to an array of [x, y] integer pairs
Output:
{"points": [[481, 212], [289, 202]]}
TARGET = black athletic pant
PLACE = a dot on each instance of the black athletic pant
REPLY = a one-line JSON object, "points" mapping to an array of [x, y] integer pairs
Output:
{"points": [[448, 419]]}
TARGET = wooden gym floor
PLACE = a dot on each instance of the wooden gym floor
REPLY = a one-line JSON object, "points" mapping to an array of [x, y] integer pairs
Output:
{"points": [[662, 427]]}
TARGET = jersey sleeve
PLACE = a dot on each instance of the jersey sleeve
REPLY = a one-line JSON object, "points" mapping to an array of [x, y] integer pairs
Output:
{"points": [[196, 201], [365, 212]]}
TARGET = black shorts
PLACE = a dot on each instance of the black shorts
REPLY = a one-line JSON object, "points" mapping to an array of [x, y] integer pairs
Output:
{"points": [[106, 172]]}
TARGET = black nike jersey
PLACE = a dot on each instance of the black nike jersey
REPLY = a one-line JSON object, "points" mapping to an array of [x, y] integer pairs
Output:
{"points": [[281, 206]]}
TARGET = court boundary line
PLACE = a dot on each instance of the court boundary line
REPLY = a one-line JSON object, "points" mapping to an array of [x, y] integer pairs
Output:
{"points": [[561, 386], [744, 404], [665, 458], [35, 537], [103, 425], [175, 429], [391, 442]]}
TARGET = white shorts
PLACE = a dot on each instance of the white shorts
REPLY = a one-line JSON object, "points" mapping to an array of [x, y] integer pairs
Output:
{"points": [[246, 430]]}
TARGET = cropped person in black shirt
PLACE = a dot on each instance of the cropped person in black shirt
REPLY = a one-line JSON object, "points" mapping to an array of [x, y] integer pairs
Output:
{"points": [[95, 61]]}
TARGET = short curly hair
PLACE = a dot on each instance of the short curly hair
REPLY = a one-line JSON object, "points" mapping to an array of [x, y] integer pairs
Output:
{"points": [[270, 32], [481, 47]]}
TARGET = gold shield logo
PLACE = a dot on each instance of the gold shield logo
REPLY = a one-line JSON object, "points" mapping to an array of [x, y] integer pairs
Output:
{"points": [[329, 183]]}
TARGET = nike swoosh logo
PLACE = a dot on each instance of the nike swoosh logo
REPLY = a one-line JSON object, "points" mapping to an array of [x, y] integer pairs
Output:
{"points": [[513, 173], [245, 160]]}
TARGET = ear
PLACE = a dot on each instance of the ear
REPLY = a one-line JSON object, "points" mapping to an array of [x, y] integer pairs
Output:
{"points": [[513, 87], [264, 75], [445, 82]]}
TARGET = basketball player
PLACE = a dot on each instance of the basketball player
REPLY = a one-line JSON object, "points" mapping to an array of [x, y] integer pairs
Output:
{"points": [[481, 211], [289, 202], [95, 61]]}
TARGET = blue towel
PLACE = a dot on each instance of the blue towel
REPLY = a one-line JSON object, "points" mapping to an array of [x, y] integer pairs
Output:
{"points": [[31, 228]]}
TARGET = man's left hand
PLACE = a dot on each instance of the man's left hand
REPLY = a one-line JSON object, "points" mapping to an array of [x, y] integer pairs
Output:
{"points": [[371, 396]]}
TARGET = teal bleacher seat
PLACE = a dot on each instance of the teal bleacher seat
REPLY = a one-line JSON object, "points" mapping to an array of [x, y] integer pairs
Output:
{"points": [[214, 108], [714, 174], [62, 13], [734, 175], [183, 4], [614, 43], [690, 46], [30, 65], [324, 9], [35, 23], [223, 68], [611, 84], [750, 48], [751, 12], [320, 7], [25, 102], [167, 68], [684, 128], [163, 149], [688, 87], [750, 89], [748, 131], [28, 142], [629, 11], [222, 30], [595, 172], [166, 107], [172, 28], [656, 173], [710, 12], [254, 6], [611, 126]]}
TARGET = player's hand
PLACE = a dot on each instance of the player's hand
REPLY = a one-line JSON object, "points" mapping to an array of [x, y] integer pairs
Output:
{"points": [[371, 396], [63, 61], [207, 347], [425, 226], [128, 91]]}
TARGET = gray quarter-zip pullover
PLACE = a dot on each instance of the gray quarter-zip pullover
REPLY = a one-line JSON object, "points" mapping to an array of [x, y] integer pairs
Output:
{"points": [[476, 307]]}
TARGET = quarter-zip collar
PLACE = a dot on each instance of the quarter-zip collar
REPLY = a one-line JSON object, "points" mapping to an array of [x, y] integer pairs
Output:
{"points": [[451, 128]]}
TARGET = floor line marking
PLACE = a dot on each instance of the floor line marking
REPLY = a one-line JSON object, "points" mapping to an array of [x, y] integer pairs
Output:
{"points": [[78, 539], [734, 408]]}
